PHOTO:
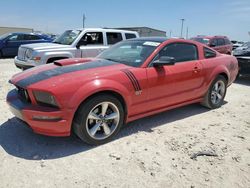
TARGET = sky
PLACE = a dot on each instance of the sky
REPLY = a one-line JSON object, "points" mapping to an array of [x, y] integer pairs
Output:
{"points": [[202, 17]]}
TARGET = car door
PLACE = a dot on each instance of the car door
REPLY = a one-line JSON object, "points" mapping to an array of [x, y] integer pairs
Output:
{"points": [[12, 44], [178, 83], [92, 44]]}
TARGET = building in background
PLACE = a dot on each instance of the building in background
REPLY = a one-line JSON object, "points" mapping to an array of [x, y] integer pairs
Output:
{"points": [[146, 31], [4, 30]]}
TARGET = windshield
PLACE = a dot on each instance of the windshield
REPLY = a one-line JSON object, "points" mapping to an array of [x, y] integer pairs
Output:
{"points": [[68, 37], [132, 53], [4, 36], [201, 40]]}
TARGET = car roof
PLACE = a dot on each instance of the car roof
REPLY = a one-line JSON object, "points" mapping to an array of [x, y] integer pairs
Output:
{"points": [[152, 39], [27, 33], [106, 29], [210, 37]]}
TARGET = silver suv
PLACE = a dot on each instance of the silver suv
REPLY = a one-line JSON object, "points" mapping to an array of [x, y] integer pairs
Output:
{"points": [[72, 43]]}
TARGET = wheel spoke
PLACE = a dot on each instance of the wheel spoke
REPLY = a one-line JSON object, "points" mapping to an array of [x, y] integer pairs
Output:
{"points": [[213, 98], [112, 116], [106, 128], [220, 87], [94, 129], [216, 86], [219, 96], [94, 116], [104, 108]]}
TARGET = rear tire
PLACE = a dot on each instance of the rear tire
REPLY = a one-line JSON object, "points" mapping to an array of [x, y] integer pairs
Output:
{"points": [[216, 93], [98, 119]]}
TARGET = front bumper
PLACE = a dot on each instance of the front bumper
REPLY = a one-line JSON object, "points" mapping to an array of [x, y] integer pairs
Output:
{"points": [[29, 113], [24, 64]]}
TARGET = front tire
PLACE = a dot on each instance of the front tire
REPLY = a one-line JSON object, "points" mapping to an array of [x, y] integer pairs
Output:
{"points": [[98, 119], [216, 93]]}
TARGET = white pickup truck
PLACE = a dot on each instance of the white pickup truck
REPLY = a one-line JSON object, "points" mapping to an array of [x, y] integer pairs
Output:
{"points": [[88, 42]]}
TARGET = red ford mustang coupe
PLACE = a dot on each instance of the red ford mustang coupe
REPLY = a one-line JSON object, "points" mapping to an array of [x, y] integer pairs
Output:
{"points": [[131, 80]]}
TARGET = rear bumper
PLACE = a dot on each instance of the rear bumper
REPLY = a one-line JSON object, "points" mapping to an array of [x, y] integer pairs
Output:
{"points": [[60, 125], [244, 65]]}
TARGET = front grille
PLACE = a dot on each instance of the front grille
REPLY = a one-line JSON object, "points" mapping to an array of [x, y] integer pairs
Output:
{"points": [[21, 53], [23, 94]]}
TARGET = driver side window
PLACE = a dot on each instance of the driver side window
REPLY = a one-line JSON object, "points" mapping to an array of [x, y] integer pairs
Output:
{"points": [[182, 52], [91, 38]]}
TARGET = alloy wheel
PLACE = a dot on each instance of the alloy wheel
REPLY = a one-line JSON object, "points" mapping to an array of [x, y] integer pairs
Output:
{"points": [[102, 120], [218, 92]]}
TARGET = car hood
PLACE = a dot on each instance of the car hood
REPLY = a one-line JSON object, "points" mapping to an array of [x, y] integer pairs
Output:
{"points": [[45, 46], [64, 73]]}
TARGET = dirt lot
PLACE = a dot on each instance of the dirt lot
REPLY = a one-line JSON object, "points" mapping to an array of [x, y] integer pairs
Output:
{"points": [[151, 152]]}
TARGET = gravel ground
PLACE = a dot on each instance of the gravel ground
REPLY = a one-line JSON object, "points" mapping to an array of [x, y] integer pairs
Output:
{"points": [[150, 152]]}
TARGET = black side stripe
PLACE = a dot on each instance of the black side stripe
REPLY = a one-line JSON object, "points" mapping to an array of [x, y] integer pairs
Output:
{"points": [[133, 79]]}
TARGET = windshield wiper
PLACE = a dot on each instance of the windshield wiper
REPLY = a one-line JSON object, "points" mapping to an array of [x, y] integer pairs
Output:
{"points": [[109, 59]]}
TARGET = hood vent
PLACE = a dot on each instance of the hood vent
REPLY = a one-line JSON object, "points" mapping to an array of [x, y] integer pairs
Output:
{"points": [[72, 61]]}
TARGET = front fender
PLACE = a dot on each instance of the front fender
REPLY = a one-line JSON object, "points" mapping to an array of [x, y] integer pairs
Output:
{"points": [[48, 55], [96, 86]]}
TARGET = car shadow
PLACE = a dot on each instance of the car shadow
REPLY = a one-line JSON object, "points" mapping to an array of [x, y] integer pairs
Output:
{"points": [[244, 80], [19, 141]]}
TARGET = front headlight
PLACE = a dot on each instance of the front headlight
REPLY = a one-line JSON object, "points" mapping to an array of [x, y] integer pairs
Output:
{"points": [[45, 99], [28, 54]]}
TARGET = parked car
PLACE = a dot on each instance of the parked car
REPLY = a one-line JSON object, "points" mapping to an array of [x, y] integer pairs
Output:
{"points": [[10, 42], [237, 44], [220, 43], [72, 43], [243, 56], [94, 97]]}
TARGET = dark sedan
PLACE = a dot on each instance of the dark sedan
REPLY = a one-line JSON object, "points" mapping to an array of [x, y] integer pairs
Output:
{"points": [[10, 42]]}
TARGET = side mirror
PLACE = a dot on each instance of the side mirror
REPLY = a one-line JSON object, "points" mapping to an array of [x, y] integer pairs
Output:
{"points": [[81, 43], [164, 60]]}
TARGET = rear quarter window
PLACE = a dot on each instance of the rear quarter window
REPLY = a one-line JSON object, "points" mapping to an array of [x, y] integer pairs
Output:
{"points": [[208, 53], [130, 35]]}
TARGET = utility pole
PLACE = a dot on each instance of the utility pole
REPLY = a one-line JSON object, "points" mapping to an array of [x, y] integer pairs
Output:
{"points": [[182, 21], [83, 20], [187, 33], [170, 33]]}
